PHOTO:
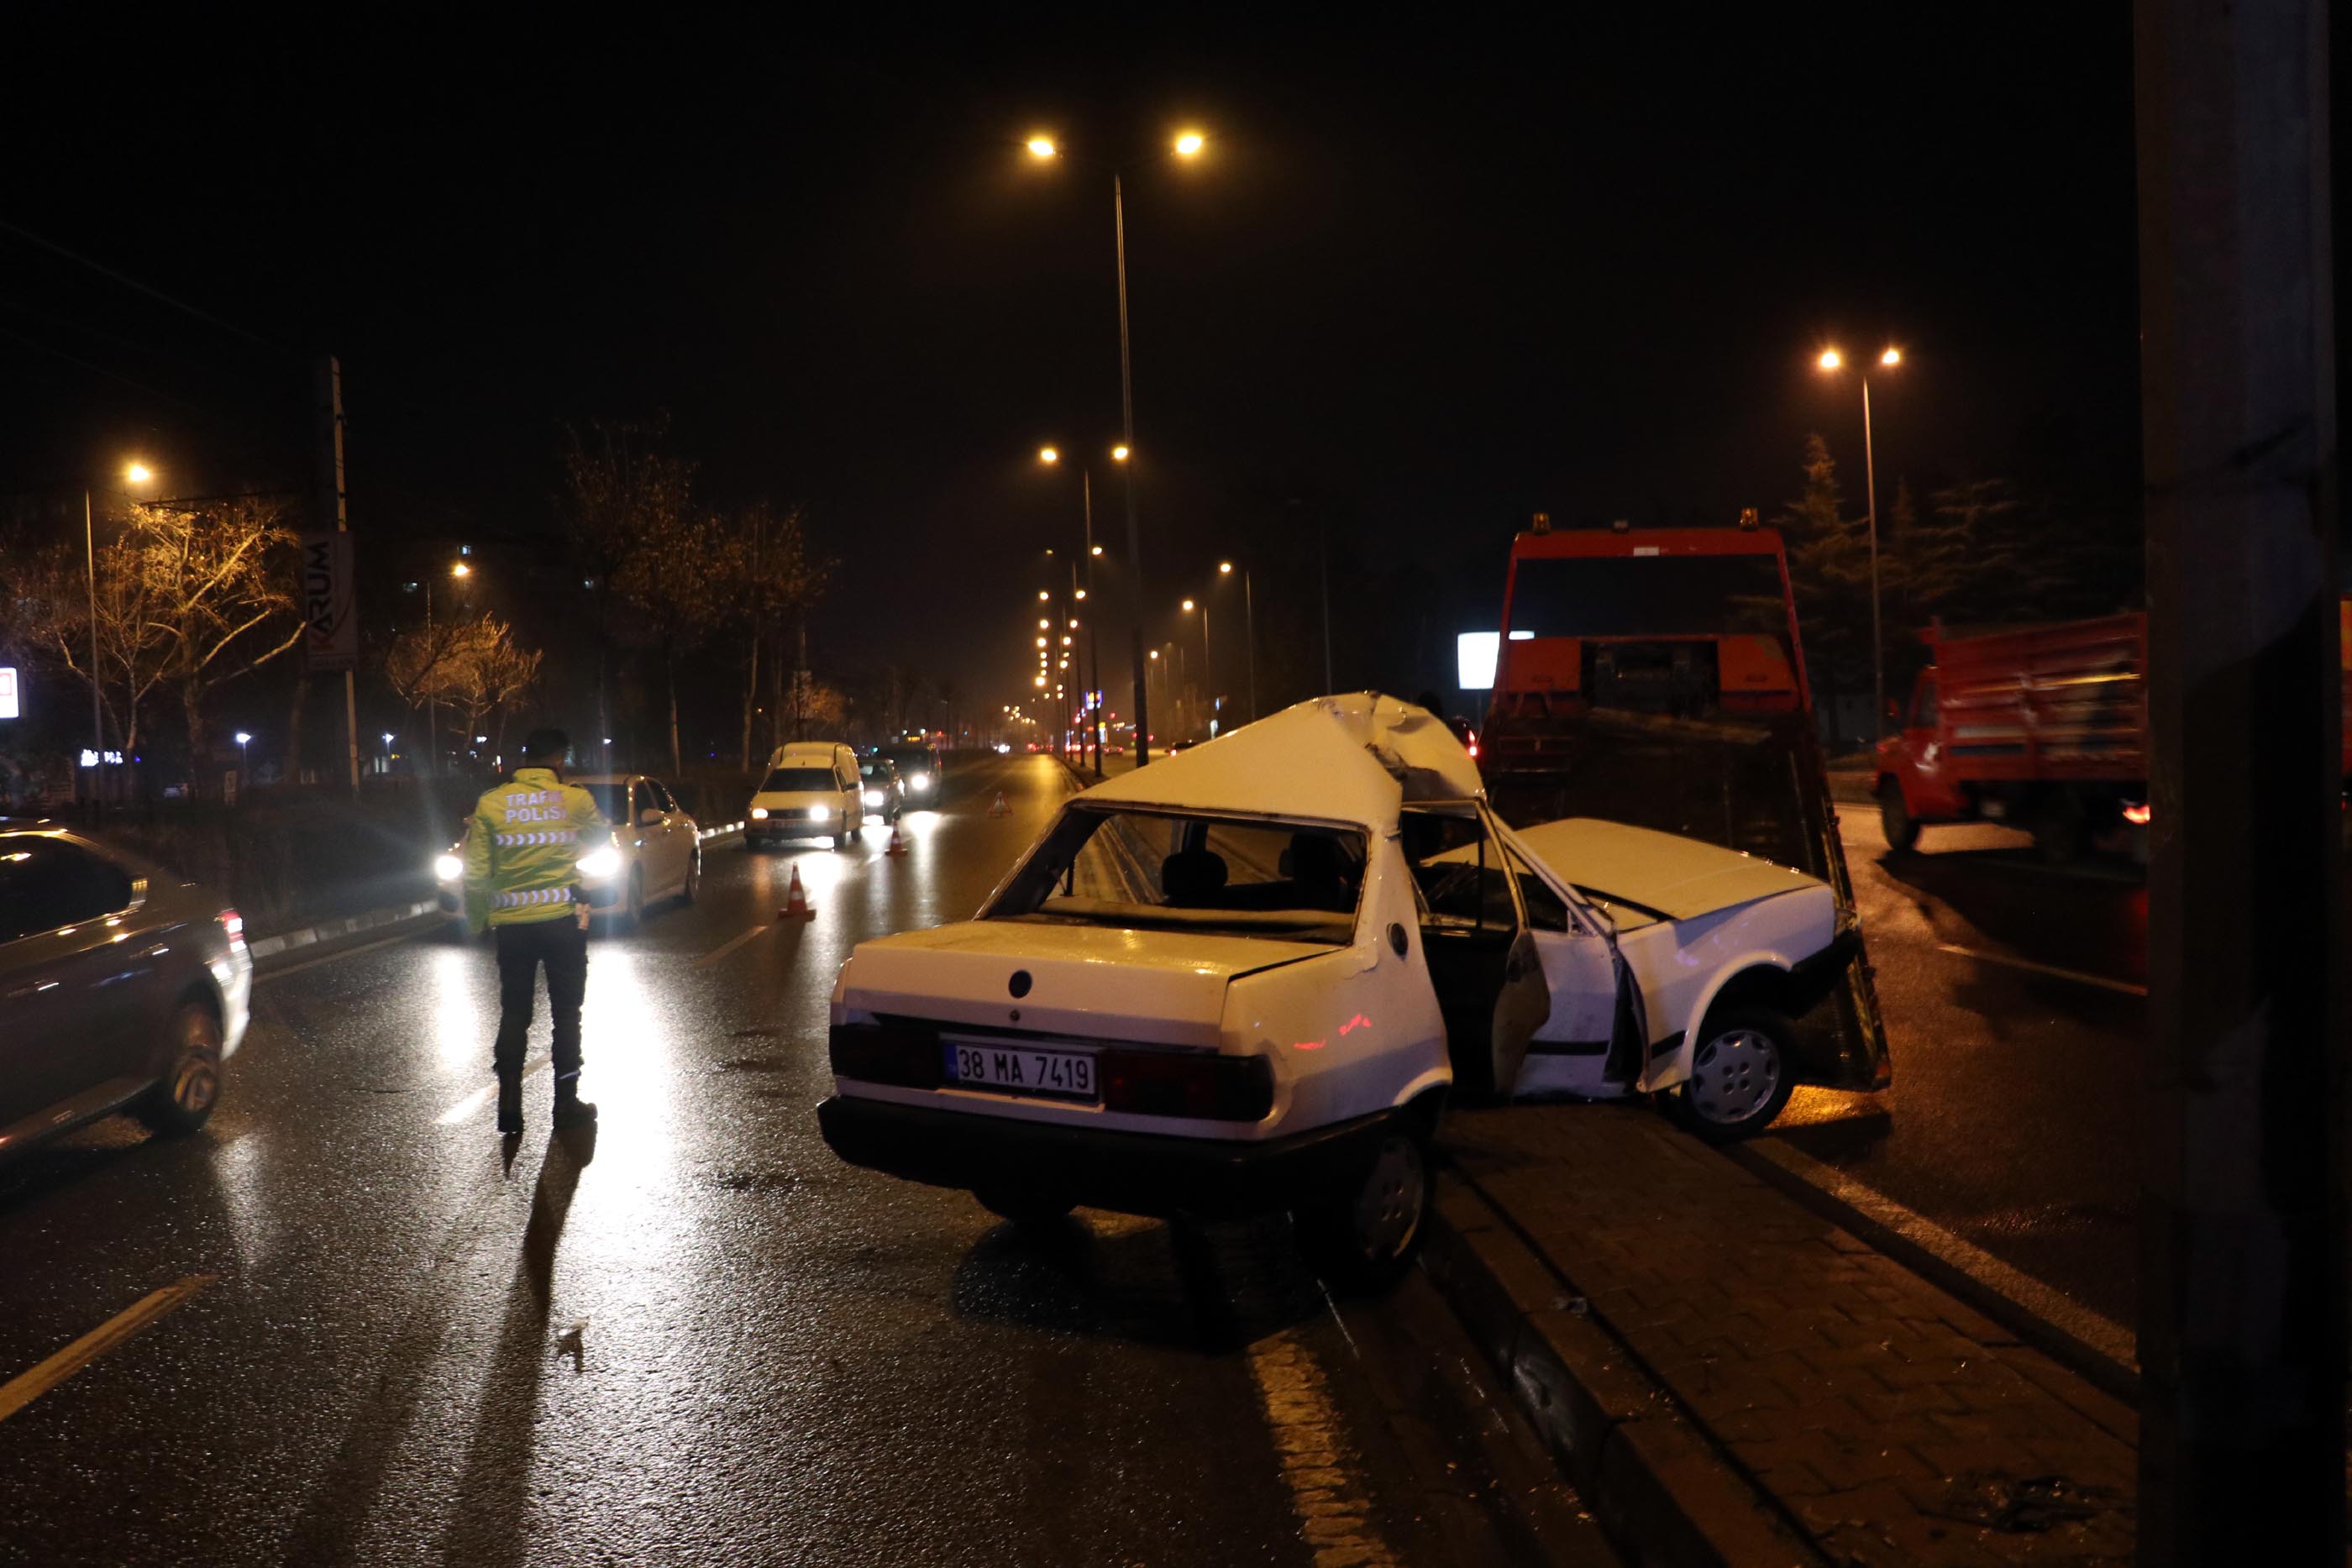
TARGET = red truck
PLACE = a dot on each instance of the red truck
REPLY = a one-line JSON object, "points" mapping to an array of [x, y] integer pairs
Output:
{"points": [[2042, 726], [1655, 676]]}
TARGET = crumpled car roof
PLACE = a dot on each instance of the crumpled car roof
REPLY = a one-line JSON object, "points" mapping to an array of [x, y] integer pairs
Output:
{"points": [[1355, 757]]}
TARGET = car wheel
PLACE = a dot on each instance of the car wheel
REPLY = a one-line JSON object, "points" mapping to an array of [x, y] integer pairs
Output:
{"points": [[183, 1099], [1364, 1240], [632, 902], [1740, 1075], [1894, 819], [1023, 1206], [693, 883]]}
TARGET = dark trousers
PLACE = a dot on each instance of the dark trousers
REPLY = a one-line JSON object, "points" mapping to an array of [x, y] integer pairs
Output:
{"points": [[563, 946]]}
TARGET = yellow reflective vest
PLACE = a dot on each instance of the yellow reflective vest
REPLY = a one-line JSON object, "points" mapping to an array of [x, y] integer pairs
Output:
{"points": [[523, 846]]}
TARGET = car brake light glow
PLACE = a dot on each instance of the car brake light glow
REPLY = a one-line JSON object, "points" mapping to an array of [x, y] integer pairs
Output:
{"points": [[1195, 1083], [2136, 816], [234, 925]]}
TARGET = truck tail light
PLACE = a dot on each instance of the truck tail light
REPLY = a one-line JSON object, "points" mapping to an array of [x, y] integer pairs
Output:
{"points": [[1187, 1084]]}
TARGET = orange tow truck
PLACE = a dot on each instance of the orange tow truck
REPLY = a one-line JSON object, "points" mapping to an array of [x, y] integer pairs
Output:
{"points": [[1657, 676]]}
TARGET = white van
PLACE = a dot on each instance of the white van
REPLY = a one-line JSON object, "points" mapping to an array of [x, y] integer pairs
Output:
{"points": [[811, 791]]}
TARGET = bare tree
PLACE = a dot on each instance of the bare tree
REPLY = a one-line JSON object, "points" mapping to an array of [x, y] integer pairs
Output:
{"points": [[624, 496], [474, 666], [51, 599], [773, 576]]}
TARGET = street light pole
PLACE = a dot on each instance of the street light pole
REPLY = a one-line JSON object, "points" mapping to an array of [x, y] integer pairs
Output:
{"points": [[1249, 629], [1093, 642], [1877, 641], [97, 710], [1134, 533]]}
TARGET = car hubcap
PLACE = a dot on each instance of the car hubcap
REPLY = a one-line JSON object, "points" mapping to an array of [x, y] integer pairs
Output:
{"points": [[195, 1072], [1734, 1075], [1388, 1209]]}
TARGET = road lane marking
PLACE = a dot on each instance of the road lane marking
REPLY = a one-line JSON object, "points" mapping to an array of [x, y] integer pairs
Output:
{"points": [[472, 1104], [2125, 986], [1333, 1505], [731, 944], [261, 976], [112, 1334], [1890, 1227]]}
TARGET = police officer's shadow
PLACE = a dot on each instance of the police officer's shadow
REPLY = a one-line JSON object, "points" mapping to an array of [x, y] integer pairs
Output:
{"points": [[487, 1521]]}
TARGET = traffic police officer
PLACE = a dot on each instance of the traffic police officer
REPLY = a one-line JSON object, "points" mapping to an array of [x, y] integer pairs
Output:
{"points": [[523, 881]]}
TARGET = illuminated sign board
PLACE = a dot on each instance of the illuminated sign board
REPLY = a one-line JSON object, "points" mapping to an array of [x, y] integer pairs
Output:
{"points": [[12, 705]]}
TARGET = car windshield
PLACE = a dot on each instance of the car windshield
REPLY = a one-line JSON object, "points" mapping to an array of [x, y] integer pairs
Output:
{"points": [[1646, 596], [801, 780], [612, 801], [874, 770], [912, 758], [1140, 870]]}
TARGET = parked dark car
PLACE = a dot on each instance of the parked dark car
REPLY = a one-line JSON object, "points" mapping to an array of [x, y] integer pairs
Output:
{"points": [[123, 987]]}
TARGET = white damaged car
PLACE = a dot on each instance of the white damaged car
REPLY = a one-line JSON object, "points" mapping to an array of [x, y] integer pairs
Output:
{"points": [[1248, 977]]}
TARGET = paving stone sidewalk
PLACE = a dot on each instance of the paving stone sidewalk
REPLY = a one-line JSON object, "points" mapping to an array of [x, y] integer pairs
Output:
{"points": [[1874, 1418]]}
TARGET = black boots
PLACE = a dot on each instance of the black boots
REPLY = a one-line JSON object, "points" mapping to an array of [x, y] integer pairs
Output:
{"points": [[571, 1111], [509, 1103]]}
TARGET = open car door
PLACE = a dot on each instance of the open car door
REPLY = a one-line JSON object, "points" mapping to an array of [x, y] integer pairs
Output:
{"points": [[1592, 1041], [1482, 960]]}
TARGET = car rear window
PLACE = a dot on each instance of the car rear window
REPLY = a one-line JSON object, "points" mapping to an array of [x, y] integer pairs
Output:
{"points": [[799, 779], [1294, 883]]}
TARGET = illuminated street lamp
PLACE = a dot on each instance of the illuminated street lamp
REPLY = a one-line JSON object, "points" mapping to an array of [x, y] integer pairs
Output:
{"points": [[1208, 659], [1187, 144], [1830, 362]]}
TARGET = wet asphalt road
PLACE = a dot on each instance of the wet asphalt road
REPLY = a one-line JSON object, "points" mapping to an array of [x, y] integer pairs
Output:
{"points": [[694, 1337], [2013, 1118]]}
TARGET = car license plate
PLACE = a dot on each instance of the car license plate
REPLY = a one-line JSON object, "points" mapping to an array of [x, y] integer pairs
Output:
{"points": [[1022, 1070]]}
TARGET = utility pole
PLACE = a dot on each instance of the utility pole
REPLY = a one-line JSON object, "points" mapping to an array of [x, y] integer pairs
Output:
{"points": [[331, 506], [2241, 1289]]}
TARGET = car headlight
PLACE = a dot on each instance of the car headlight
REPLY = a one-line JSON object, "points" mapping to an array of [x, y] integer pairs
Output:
{"points": [[874, 797], [598, 864], [449, 868], [819, 814], [920, 781], [758, 813]]}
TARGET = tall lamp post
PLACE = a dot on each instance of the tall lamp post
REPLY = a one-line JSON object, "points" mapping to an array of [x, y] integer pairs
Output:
{"points": [[1249, 629], [133, 473], [1187, 144], [1831, 362], [1208, 658], [1083, 589]]}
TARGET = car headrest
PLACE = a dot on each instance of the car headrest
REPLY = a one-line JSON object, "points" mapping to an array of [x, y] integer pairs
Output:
{"points": [[1189, 875]]}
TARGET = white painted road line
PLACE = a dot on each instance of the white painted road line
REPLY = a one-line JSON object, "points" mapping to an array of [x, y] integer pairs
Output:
{"points": [[731, 945], [116, 1331], [2092, 1330], [1331, 1501], [2030, 967]]}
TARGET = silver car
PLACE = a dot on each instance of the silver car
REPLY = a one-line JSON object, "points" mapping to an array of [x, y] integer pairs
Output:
{"points": [[123, 988]]}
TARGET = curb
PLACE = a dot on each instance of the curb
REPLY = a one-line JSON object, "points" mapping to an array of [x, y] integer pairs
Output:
{"points": [[330, 930], [1659, 1489]]}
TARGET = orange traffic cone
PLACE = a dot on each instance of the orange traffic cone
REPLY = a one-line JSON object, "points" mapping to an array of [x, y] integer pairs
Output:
{"points": [[796, 903], [999, 809], [897, 844]]}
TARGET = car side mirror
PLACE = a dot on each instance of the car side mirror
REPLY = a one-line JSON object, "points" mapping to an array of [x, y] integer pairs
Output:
{"points": [[648, 818]]}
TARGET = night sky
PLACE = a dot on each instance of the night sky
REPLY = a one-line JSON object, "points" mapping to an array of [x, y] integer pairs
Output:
{"points": [[1428, 279]]}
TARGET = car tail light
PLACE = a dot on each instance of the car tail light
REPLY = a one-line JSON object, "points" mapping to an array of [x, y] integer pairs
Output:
{"points": [[234, 925], [883, 1053], [1187, 1084]]}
